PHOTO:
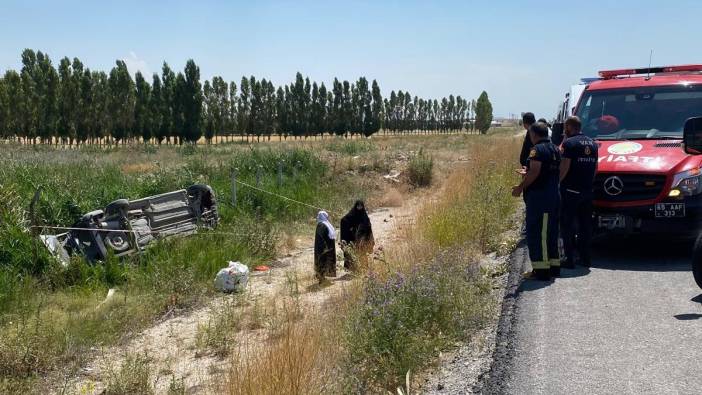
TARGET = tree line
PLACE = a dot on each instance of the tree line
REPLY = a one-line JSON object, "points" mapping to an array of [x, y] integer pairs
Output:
{"points": [[72, 104]]}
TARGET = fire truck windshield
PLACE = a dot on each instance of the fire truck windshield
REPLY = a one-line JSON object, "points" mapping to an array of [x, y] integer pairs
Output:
{"points": [[639, 113]]}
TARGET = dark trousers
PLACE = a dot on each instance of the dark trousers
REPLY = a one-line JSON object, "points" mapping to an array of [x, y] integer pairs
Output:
{"points": [[576, 225], [542, 213]]}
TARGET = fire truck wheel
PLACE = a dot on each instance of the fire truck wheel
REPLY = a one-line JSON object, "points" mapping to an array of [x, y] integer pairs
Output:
{"points": [[697, 262]]}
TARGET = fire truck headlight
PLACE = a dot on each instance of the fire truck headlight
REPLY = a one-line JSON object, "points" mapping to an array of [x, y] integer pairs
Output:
{"points": [[688, 183]]}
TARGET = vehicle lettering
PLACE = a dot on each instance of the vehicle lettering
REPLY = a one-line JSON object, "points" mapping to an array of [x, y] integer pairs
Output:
{"points": [[628, 158]]}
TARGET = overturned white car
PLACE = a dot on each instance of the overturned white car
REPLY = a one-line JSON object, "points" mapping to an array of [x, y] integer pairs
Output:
{"points": [[125, 227]]}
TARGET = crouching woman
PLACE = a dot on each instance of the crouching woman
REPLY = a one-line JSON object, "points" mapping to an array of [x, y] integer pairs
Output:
{"points": [[324, 248]]}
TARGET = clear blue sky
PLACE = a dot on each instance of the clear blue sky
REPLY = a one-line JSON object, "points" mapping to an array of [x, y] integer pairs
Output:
{"points": [[524, 56]]}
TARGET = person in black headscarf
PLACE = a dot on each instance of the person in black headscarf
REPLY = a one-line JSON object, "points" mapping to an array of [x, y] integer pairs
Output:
{"points": [[324, 248], [356, 236]]}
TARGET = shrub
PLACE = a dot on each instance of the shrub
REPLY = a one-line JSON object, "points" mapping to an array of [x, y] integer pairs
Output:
{"points": [[420, 169], [219, 334], [352, 147], [476, 205], [405, 319], [134, 377]]}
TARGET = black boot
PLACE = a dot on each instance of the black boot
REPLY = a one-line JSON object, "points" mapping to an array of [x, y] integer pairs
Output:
{"points": [[555, 271], [542, 274], [567, 263]]}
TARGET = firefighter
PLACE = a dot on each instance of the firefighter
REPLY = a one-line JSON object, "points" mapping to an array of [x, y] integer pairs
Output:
{"points": [[550, 132], [577, 173], [540, 188], [528, 119]]}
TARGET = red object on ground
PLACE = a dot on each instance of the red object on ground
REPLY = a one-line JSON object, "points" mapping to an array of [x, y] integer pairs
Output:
{"points": [[262, 268]]}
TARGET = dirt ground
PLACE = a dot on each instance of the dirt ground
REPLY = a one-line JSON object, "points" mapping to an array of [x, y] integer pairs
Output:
{"points": [[171, 345]]}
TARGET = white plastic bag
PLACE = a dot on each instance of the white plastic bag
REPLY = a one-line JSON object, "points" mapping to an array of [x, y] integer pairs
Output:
{"points": [[232, 278]]}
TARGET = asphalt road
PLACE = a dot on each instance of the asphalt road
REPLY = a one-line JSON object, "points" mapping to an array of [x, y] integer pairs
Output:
{"points": [[632, 324]]}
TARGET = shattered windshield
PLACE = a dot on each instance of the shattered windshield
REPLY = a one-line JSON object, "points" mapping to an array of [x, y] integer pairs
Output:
{"points": [[639, 113]]}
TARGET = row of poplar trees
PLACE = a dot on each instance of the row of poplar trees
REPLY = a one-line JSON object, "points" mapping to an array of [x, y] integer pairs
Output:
{"points": [[72, 104]]}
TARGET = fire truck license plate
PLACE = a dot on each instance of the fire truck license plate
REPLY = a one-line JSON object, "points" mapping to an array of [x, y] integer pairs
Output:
{"points": [[670, 210]]}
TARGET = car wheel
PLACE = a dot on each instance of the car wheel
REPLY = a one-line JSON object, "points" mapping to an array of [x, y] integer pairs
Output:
{"points": [[119, 207], [199, 189], [201, 199], [119, 242]]}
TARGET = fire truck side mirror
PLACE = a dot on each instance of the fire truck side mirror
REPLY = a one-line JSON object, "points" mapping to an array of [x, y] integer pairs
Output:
{"points": [[692, 136], [557, 133]]}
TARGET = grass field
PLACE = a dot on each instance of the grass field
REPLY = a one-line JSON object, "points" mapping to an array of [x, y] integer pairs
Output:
{"points": [[49, 318], [427, 294], [243, 139]]}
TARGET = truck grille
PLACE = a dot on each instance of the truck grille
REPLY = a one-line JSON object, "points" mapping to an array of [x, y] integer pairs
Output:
{"points": [[668, 145], [633, 187]]}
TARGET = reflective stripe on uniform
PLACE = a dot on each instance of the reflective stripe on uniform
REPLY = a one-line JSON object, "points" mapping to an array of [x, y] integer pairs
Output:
{"points": [[544, 243], [540, 265], [554, 262]]}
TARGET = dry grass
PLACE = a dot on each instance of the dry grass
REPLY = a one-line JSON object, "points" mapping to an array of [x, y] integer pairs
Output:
{"points": [[288, 242], [300, 360], [308, 356], [139, 168], [474, 197], [295, 347]]}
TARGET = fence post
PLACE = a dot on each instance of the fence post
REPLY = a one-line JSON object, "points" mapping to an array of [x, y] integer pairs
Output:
{"points": [[280, 174], [235, 173], [259, 170], [295, 169]]}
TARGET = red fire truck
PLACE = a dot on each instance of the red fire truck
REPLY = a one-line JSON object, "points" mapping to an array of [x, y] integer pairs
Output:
{"points": [[645, 182]]}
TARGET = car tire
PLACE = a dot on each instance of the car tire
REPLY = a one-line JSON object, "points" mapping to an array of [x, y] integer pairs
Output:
{"points": [[118, 206], [201, 199], [697, 262], [200, 189]]}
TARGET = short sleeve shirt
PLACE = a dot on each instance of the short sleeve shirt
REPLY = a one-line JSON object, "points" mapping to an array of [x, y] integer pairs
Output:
{"points": [[582, 152], [550, 157]]}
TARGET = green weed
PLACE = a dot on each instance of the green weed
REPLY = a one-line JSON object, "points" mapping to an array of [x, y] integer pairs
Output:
{"points": [[420, 169], [219, 334], [133, 377], [351, 147], [176, 387], [406, 319]]}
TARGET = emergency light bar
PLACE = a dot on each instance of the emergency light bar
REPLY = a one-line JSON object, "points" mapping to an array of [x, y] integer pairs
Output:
{"points": [[610, 74], [587, 80]]}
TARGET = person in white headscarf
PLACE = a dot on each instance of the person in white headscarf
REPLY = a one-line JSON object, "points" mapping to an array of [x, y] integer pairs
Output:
{"points": [[324, 248]]}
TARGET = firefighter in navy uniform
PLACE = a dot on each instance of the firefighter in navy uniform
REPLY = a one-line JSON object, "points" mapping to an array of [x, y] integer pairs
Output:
{"points": [[528, 119], [577, 174], [540, 188]]}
